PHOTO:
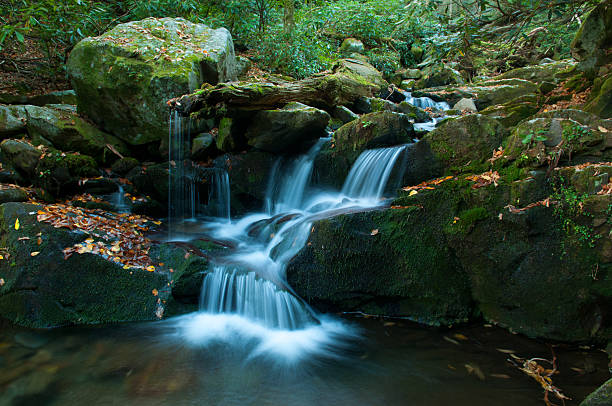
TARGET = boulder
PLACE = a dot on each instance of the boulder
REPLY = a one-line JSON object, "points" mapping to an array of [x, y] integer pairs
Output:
{"points": [[439, 75], [12, 120], [390, 262], [60, 173], [123, 166], [374, 130], [66, 131], [601, 397], [465, 140], [44, 290], [601, 103], [203, 147], [21, 155], [512, 113], [548, 72], [592, 43], [465, 105], [57, 97], [124, 77], [12, 194], [287, 129], [351, 45], [344, 114]]}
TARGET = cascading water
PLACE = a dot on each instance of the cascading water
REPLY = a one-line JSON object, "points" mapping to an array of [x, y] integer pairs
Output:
{"points": [[246, 292], [423, 103], [185, 181]]}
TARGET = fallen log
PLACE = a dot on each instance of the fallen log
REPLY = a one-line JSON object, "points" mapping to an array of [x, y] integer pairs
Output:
{"points": [[348, 80]]}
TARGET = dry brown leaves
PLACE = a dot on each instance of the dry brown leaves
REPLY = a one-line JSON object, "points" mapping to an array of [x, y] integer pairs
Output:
{"points": [[585, 165], [546, 203], [542, 375], [428, 185], [606, 189], [484, 179], [122, 238]]}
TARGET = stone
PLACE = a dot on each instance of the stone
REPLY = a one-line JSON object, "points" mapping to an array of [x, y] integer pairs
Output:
{"points": [[467, 139], [417, 53], [243, 64], [60, 173], [408, 84], [13, 194], [592, 43], [374, 130], [21, 155], [12, 120], [538, 73], [439, 75], [602, 100], [287, 129], [413, 112], [203, 147], [402, 269], [601, 397], [465, 105], [124, 165], [47, 290], [123, 80], [512, 113], [67, 131], [350, 45], [344, 114]]}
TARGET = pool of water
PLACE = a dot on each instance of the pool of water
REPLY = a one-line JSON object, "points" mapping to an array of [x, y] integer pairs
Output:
{"points": [[383, 363]]}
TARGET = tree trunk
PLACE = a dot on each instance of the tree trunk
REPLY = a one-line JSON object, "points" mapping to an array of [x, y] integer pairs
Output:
{"points": [[288, 14]]}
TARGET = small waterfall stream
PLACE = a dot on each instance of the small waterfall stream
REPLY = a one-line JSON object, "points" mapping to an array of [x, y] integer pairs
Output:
{"points": [[246, 291]]}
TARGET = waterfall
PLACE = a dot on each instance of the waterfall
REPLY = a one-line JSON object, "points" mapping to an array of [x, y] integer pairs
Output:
{"points": [[251, 282], [425, 102], [370, 173], [185, 180]]}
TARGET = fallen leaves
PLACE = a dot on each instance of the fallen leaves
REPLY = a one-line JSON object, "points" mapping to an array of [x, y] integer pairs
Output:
{"points": [[606, 189], [17, 224], [120, 237], [427, 185], [33, 254], [484, 179], [1, 282], [374, 232]]}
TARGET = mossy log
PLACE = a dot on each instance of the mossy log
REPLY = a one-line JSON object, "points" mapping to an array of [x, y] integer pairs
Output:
{"points": [[348, 80]]}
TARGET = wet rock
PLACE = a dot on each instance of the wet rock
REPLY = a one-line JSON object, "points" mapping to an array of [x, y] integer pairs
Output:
{"points": [[203, 147], [59, 173], [123, 86], [291, 128], [403, 268], [124, 165], [31, 339], [601, 397]]}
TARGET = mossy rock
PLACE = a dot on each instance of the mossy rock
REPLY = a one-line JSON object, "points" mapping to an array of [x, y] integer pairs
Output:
{"points": [[12, 120], [21, 156], [601, 104], [59, 173], [547, 72], [379, 129], [601, 397], [289, 129], [124, 77], [390, 262], [439, 75], [350, 45], [47, 291], [592, 43], [67, 131], [468, 139], [512, 113]]}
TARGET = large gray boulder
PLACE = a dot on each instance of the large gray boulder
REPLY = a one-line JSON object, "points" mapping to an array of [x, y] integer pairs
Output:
{"points": [[21, 156], [12, 120], [124, 77]]}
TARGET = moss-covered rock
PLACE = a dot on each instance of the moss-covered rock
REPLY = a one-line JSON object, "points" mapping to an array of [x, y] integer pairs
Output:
{"points": [[468, 139], [248, 175], [383, 128], [601, 397], [21, 156], [546, 72], [291, 128], [59, 173], [592, 43], [47, 291], [391, 262], [124, 77], [510, 114], [12, 194], [438, 75], [350, 45], [601, 103], [12, 120], [67, 131]]}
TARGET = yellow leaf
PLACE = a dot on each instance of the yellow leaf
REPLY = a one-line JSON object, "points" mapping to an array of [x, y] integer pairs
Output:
{"points": [[1, 281], [33, 254], [150, 268], [155, 292], [374, 232], [17, 224], [1, 256], [412, 193]]}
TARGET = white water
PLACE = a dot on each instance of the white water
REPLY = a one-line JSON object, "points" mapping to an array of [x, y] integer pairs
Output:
{"points": [[423, 103], [245, 299]]}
